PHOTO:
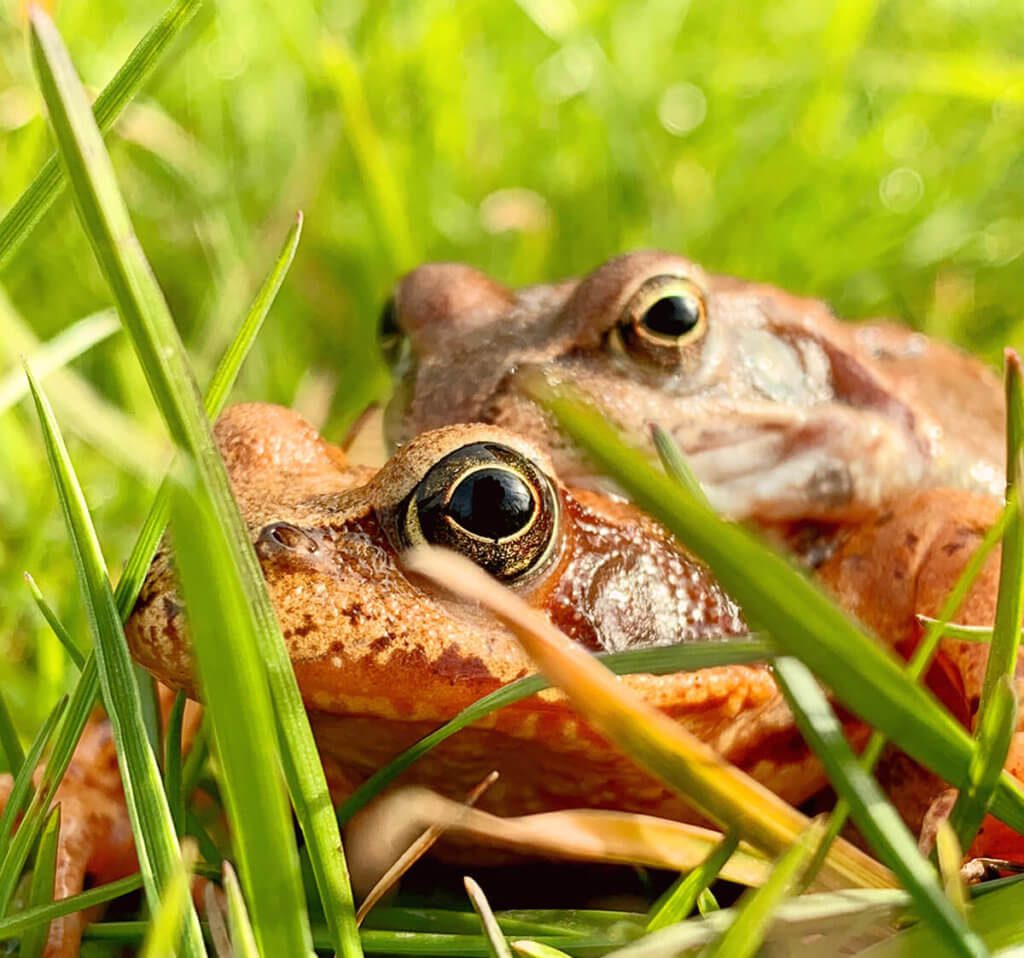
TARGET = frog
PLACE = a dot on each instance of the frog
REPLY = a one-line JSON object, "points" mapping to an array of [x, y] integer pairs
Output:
{"points": [[381, 657], [784, 412]]}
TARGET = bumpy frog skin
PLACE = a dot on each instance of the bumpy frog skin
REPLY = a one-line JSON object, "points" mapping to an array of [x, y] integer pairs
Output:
{"points": [[783, 411], [382, 659]]}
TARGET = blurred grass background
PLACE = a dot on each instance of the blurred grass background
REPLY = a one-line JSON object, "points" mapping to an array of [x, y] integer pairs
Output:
{"points": [[865, 152]]}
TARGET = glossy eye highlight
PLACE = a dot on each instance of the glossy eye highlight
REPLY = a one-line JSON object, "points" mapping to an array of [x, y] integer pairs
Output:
{"points": [[490, 503], [664, 321]]}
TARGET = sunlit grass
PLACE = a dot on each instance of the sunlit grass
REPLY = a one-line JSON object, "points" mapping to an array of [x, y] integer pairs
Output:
{"points": [[877, 167]]}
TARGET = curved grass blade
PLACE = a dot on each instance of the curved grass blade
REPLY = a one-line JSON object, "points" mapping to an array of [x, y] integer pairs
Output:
{"points": [[534, 949], [646, 735], [683, 896], [52, 620], [41, 889], [998, 707], [963, 633], [17, 925], [744, 935], [30, 208], [152, 828], [148, 322], [497, 947], [67, 345], [658, 661], [866, 677], [878, 821], [949, 856]]}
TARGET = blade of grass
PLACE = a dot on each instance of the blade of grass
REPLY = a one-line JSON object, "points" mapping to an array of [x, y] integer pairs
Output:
{"points": [[683, 896], [55, 624], [17, 925], [963, 633], [165, 925], [243, 942], [744, 935], [865, 676], [216, 606], [949, 856], [9, 743], [659, 661], [41, 890], [22, 787], [675, 465], [155, 841], [148, 321], [67, 345], [172, 763], [878, 821], [497, 947], [997, 707], [534, 949], [30, 208], [649, 737]]}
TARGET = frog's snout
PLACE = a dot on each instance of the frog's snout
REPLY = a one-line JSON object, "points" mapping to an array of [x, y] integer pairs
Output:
{"points": [[283, 537]]}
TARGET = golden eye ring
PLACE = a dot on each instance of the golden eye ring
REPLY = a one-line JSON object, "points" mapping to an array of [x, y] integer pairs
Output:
{"points": [[489, 503], [664, 321]]}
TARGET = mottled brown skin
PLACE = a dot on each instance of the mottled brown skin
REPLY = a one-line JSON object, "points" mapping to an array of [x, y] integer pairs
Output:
{"points": [[784, 411], [381, 658]]}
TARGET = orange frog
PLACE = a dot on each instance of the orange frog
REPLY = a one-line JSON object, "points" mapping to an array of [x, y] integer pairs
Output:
{"points": [[382, 658], [783, 411]]}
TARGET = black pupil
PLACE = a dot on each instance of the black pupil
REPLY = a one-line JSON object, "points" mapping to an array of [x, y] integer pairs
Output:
{"points": [[491, 503], [672, 316]]}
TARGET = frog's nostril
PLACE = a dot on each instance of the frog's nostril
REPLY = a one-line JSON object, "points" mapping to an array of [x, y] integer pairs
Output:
{"points": [[285, 535]]}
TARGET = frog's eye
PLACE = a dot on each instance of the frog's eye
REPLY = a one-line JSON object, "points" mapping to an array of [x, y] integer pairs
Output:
{"points": [[664, 320], [389, 333], [490, 503]]}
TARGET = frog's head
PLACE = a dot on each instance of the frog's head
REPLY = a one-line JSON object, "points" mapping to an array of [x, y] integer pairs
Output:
{"points": [[783, 411], [330, 539]]}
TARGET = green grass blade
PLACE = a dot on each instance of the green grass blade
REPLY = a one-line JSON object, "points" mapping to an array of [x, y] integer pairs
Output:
{"points": [[997, 708], [148, 321], [67, 345], [41, 890], [497, 946], [683, 896], [22, 218], [22, 786], [165, 925], [995, 735], [675, 465], [173, 763], [534, 949], [744, 935], [9, 742], [949, 857], [152, 828], [231, 672], [878, 821], [693, 655], [243, 942], [55, 624], [231, 362], [864, 676], [17, 925], [963, 633]]}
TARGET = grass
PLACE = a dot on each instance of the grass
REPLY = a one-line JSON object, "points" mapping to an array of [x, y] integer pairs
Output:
{"points": [[863, 152]]}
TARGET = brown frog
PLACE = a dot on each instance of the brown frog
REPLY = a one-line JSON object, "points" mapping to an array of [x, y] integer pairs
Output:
{"points": [[382, 658], [783, 411]]}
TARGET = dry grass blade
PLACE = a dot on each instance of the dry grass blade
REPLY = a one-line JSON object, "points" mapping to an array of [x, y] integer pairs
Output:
{"points": [[388, 827], [648, 736], [497, 946], [415, 852]]}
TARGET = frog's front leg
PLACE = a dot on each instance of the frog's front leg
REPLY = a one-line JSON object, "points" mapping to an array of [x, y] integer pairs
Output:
{"points": [[902, 564]]}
